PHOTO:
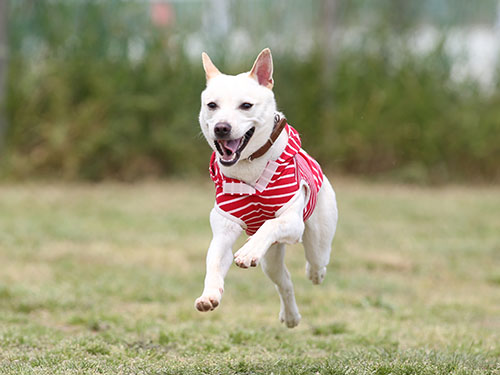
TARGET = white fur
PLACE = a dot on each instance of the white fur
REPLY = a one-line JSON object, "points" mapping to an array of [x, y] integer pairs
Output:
{"points": [[267, 245]]}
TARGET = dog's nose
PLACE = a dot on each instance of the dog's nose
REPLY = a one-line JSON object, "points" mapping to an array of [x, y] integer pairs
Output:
{"points": [[222, 129]]}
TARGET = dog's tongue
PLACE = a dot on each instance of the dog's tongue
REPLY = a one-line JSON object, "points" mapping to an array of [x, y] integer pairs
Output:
{"points": [[231, 145]]}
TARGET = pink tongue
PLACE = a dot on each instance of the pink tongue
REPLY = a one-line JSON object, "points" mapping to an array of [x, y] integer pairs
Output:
{"points": [[232, 144]]}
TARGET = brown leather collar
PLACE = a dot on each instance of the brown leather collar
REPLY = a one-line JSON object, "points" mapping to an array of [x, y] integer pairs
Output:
{"points": [[278, 128]]}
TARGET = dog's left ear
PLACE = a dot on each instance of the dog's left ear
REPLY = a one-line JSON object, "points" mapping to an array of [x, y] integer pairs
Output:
{"points": [[262, 70], [210, 69]]}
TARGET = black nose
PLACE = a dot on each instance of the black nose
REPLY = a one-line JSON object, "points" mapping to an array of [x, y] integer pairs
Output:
{"points": [[222, 129]]}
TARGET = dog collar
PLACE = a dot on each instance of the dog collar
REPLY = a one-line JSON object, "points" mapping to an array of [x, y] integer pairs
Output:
{"points": [[278, 128]]}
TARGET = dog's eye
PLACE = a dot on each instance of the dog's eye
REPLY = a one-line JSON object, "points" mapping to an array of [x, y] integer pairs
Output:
{"points": [[246, 106], [212, 105]]}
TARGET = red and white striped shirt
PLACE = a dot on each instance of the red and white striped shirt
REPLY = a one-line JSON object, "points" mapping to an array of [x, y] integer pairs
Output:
{"points": [[251, 206]]}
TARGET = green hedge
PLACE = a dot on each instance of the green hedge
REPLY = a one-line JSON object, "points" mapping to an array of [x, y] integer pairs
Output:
{"points": [[407, 121], [84, 110], [98, 119]]}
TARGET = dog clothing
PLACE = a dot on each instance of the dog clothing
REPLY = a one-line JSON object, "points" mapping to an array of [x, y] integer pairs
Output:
{"points": [[274, 191]]}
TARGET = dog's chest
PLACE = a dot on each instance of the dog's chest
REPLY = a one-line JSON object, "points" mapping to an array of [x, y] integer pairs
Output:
{"points": [[251, 206]]}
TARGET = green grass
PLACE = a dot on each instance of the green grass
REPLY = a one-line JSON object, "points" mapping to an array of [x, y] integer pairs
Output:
{"points": [[102, 279]]}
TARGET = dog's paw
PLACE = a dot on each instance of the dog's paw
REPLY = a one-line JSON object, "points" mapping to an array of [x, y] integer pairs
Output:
{"points": [[247, 256], [246, 261], [290, 319], [315, 275], [208, 301]]}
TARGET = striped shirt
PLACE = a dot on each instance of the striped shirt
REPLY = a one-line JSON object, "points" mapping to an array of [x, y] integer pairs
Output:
{"points": [[250, 206]]}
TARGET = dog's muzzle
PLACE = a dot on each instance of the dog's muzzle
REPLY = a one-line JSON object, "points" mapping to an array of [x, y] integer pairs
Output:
{"points": [[230, 149]]}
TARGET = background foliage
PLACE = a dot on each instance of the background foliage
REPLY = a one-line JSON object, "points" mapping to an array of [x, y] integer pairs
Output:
{"points": [[96, 90]]}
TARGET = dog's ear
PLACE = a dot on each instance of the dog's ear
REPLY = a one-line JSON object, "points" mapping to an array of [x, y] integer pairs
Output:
{"points": [[210, 69], [262, 69]]}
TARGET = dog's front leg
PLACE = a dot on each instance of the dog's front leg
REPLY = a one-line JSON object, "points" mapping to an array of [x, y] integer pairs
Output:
{"points": [[286, 228], [219, 259]]}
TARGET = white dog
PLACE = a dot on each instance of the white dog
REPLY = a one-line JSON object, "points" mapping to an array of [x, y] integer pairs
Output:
{"points": [[265, 184]]}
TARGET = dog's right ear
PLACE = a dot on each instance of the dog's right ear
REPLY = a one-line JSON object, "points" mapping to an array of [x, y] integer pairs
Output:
{"points": [[262, 69], [210, 69]]}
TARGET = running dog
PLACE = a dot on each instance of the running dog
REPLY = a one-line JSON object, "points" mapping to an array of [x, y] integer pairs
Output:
{"points": [[266, 185]]}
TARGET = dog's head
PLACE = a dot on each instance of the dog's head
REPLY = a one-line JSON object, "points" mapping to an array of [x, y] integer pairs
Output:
{"points": [[237, 112]]}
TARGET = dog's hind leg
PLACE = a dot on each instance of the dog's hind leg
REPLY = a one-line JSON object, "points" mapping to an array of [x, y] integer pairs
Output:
{"points": [[319, 232], [273, 264]]}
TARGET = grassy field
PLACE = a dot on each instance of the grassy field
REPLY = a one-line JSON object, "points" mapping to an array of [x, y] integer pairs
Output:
{"points": [[102, 279]]}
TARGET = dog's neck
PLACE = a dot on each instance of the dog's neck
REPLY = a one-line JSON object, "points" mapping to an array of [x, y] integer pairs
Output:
{"points": [[249, 171]]}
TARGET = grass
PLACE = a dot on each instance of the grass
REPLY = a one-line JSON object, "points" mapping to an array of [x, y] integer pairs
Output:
{"points": [[102, 279]]}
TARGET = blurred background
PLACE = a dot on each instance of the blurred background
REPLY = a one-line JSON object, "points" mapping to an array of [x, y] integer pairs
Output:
{"points": [[390, 89]]}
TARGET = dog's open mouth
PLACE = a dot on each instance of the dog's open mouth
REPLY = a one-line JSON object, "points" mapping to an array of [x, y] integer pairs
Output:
{"points": [[230, 149]]}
